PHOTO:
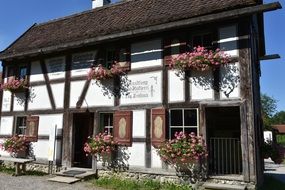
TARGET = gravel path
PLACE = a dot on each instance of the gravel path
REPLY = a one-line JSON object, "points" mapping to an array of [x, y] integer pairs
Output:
{"points": [[8, 182]]}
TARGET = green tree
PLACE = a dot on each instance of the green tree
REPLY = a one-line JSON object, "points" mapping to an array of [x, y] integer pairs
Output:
{"points": [[278, 118], [268, 109]]}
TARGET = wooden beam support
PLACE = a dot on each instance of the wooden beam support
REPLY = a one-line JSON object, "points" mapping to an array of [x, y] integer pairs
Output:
{"points": [[270, 57], [83, 94], [45, 72]]}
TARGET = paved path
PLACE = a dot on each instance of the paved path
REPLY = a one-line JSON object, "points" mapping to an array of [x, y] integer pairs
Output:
{"points": [[275, 170], [8, 182]]}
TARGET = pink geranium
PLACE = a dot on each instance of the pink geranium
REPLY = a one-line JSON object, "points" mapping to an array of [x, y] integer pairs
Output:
{"points": [[199, 59], [14, 84], [101, 145], [101, 73], [15, 144], [184, 148]]}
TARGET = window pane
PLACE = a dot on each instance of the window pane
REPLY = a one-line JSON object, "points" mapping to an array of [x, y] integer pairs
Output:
{"points": [[190, 130], [207, 40], [10, 71], [122, 55], [21, 125], [190, 117], [173, 131], [176, 118], [197, 41], [23, 72], [107, 122]]}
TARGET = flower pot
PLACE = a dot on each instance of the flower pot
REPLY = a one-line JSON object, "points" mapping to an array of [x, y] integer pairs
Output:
{"points": [[19, 154]]}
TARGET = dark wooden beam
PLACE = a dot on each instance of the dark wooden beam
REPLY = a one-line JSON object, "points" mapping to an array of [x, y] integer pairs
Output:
{"points": [[270, 57], [45, 72], [67, 117], [83, 94], [147, 139], [27, 92]]}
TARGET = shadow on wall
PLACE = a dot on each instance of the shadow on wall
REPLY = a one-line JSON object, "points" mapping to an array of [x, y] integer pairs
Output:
{"points": [[109, 88], [229, 79], [118, 160], [22, 98]]}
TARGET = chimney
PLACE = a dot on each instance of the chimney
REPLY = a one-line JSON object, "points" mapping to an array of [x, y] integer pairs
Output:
{"points": [[100, 3]]}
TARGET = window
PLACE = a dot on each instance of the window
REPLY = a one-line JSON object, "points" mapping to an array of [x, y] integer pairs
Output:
{"points": [[185, 120], [112, 56], [106, 122], [21, 125], [17, 72], [205, 40]]}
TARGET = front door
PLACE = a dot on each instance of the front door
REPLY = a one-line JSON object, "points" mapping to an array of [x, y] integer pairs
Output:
{"points": [[83, 128], [223, 136]]}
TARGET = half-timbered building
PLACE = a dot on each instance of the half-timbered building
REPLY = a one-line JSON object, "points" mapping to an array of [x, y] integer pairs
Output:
{"points": [[142, 36]]}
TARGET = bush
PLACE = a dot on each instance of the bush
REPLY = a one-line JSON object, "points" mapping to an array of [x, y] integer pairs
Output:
{"points": [[183, 149], [274, 151]]}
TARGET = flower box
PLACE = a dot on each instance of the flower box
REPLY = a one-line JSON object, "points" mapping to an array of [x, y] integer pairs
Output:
{"points": [[183, 150], [100, 146], [100, 73], [15, 85], [17, 146], [199, 59]]}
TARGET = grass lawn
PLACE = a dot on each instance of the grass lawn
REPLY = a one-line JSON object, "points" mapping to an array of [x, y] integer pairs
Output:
{"points": [[272, 183], [128, 184]]}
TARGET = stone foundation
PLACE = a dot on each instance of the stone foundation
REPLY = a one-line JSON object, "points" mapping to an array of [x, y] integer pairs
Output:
{"points": [[35, 167]]}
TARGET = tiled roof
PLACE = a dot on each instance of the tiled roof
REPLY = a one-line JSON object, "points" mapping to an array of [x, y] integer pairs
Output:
{"points": [[115, 18], [280, 128]]}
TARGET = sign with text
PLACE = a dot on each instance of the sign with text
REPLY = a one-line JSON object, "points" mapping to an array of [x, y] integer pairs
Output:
{"points": [[144, 88]]}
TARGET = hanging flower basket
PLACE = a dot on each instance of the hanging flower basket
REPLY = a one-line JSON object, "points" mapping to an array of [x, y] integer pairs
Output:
{"points": [[15, 85], [100, 73], [183, 150], [101, 146], [17, 146], [199, 59]]}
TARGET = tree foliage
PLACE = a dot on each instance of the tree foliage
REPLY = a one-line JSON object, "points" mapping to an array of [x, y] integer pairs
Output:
{"points": [[278, 118], [268, 109]]}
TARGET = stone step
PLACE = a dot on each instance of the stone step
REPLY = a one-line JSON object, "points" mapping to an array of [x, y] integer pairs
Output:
{"points": [[213, 186], [77, 173], [62, 179]]}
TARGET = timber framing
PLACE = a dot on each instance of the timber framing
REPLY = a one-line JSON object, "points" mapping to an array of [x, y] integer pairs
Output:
{"points": [[45, 72]]}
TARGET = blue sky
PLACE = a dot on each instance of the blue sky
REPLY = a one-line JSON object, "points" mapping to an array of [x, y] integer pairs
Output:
{"points": [[17, 16]]}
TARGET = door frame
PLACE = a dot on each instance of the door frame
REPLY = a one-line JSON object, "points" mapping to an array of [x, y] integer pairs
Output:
{"points": [[244, 130]]}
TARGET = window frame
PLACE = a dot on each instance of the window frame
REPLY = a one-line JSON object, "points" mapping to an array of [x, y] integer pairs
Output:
{"points": [[202, 34], [17, 127], [14, 71], [183, 121], [102, 127]]}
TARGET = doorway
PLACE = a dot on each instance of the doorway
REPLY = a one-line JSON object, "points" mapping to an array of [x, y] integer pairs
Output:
{"points": [[83, 128], [223, 139]]}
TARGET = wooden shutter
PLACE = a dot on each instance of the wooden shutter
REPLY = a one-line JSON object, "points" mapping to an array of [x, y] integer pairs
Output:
{"points": [[32, 125], [158, 129], [123, 127]]}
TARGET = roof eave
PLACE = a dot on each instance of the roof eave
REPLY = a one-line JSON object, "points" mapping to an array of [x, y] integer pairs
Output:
{"points": [[152, 29]]}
